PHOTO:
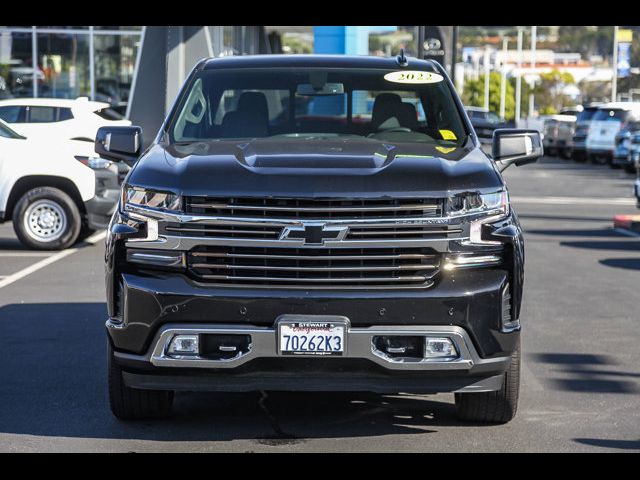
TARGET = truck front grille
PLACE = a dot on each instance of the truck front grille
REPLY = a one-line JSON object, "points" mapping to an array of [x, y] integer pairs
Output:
{"points": [[315, 267], [295, 208]]}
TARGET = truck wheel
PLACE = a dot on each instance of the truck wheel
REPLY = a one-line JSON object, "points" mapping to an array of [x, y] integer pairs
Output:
{"points": [[495, 407], [46, 218], [131, 403]]}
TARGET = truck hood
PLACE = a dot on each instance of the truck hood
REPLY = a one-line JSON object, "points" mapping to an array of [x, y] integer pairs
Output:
{"points": [[314, 168]]}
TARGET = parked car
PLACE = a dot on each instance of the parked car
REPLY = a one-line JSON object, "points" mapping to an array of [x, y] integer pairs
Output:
{"points": [[622, 154], [43, 188], [634, 151], [583, 124], [485, 123], [607, 122], [252, 251], [636, 185], [558, 133], [77, 119]]}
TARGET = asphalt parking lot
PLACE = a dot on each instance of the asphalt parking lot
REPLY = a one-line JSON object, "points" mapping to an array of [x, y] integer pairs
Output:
{"points": [[581, 373]]}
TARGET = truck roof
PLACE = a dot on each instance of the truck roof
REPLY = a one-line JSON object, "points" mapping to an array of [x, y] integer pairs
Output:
{"points": [[301, 60], [621, 105]]}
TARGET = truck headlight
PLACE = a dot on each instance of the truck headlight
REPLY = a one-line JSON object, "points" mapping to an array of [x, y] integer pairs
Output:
{"points": [[495, 204], [142, 197]]}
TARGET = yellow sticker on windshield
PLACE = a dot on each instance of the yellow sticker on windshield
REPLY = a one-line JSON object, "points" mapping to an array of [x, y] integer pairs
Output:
{"points": [[413, 76], [448, 135], [445, 149]]}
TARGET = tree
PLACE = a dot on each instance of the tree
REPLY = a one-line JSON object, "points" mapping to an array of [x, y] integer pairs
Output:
{"points": [[548, 91], [473, 94]]}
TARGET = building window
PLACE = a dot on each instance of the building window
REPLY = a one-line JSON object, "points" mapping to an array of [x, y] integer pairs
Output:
{"points": [[64, 61], [114, 60], [97, 62]]}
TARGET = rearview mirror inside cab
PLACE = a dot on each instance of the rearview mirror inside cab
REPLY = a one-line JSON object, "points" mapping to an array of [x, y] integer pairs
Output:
{"points": [[515, 146], [119, 144]]}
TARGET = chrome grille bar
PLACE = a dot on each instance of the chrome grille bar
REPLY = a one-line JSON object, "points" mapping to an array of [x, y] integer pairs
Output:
{"points": [[222, 206], [414, 278], [214, 266], [401, 256]]}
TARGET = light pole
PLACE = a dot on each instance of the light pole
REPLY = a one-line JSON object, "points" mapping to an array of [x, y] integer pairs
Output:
{"points": [[533, 67], [519, 78], [614, 83], [486, 78], [503, 78]]}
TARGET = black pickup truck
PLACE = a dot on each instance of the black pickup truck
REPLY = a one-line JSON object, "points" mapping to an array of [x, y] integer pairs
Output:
{"points": [[315, 223]]}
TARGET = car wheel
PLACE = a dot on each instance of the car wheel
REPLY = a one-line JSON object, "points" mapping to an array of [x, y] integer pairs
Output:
{"points": [[599, 159], [630, 168], [494, 407], [134, 404], [46, 218]]}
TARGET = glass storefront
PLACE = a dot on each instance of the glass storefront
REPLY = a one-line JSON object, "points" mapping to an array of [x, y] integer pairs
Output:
{"points": [[96, 62]]}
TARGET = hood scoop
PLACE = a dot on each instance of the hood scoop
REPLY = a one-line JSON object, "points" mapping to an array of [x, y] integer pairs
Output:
{"points": [[351, 155]]}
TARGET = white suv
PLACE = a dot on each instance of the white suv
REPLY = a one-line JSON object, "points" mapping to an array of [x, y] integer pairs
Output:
{"points": [[77, 119], [43, 188]]}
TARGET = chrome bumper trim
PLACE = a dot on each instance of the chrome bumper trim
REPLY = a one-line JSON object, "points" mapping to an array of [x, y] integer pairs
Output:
{"points": [[359, 345]]}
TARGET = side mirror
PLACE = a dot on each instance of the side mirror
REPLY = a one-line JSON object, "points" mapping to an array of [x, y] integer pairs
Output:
{"points": [[120, 144], [515, 146]]}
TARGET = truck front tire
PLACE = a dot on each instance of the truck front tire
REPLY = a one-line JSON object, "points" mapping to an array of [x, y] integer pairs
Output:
{"points": [[493, 407], [131, 403], [46, 218]]}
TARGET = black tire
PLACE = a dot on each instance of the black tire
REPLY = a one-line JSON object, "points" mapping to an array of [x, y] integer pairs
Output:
{"points": [[599, 159], [630, 168], [85, 232], [66, 214], [134, 404], [566, 153], [493, 407]]}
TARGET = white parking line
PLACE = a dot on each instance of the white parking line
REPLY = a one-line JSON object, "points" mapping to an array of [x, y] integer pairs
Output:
{"points": [[93, 239], [575, 200], [25, 254]]}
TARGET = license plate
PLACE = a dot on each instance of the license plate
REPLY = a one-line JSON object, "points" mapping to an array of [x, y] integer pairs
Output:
{"points": [[311, 338]]}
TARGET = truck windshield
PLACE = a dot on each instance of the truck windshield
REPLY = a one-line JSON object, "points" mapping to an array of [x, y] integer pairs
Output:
{"points": [[318, 103], [586, 114], [611, 115]]}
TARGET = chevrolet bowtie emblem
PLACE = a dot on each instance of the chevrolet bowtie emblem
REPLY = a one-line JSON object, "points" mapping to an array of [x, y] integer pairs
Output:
{"points": [[314, 233]]}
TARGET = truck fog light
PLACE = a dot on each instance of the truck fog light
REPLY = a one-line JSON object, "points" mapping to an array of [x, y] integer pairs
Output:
{"points": [[184, 345], [440, 348]]}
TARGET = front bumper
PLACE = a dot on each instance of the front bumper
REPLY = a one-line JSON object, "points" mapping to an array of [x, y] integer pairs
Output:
{"points": [[622, 160], [362, 368], [600, 152]]}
